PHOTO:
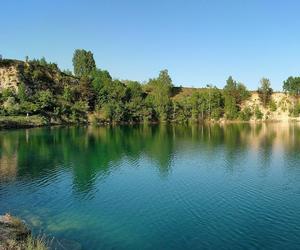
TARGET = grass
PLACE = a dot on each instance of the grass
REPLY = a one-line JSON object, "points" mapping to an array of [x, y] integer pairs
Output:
{"points": [[21, 121], [29, 243], [38, 243]]}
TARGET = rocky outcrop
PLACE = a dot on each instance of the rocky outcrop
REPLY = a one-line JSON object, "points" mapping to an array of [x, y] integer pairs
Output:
{"points": [[34, 75], [13, 233]]}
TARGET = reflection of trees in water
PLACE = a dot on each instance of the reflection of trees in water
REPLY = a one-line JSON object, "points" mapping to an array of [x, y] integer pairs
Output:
{"points": [[93, 151]]}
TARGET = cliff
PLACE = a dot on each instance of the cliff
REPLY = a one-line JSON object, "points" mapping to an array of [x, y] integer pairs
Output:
{"points": [[33, 75]]}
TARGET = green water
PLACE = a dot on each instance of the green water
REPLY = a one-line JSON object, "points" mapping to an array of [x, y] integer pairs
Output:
{"points": [[156, 187]]}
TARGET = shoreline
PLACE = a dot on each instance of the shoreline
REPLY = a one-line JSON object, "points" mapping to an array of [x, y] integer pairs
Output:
{"points": [[23, 122], [15, 233]]}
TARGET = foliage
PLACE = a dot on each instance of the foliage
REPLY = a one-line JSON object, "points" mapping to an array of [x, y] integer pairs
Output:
{"points": [[160, 91], [83, 62], [38, 243], [265, 91], [234, 94], [272, 105], [295, 110], [245, 115], [43, 62], [59, 96], [292, 85], [258, 114]]}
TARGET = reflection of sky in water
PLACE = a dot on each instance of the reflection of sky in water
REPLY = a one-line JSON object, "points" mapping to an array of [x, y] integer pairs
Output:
{"points": [[150, 187]]}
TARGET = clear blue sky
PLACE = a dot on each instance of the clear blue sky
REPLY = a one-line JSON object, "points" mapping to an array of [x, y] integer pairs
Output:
{"points": [[200, 42]]}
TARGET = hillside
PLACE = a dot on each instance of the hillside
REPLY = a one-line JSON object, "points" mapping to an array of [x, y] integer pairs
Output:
{"points": [[34, 75], [282, 104], [35, 93]]}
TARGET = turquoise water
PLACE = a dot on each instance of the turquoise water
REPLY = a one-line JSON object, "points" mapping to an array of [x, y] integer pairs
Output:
{"points": [[156, 187]]}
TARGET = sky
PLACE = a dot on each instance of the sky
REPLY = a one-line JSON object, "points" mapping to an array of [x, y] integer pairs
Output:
{"points": [[200, 42]]}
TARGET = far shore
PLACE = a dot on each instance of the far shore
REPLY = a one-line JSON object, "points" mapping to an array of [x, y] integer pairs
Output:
{"points": [[21, 122]]}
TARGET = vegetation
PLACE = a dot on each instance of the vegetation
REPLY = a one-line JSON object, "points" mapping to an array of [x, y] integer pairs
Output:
{"points": [[83, 62], [16, 235], [50, 95], [38, 243], [265, 92]]}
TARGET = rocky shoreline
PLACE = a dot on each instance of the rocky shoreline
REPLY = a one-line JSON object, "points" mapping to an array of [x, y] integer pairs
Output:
{"points": [[16, 235], [13, 233]]}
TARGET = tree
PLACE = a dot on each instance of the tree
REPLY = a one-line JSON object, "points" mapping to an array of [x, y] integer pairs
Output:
{"points": [[22, 95], [231, 109], [258, 114], [234, 94], [134, 101], [292, 86], [100, 78], [86, 92], [160, 92], [83, 62], [45, 102], [265, 91]]}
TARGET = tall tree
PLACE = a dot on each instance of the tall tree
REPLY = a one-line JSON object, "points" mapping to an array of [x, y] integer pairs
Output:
{"points": [[231, 109], [83, 62], [265, 91], [234, 94], [160, 93]]}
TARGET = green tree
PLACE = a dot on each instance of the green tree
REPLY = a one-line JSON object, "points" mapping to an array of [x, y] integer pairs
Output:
{"points": [[100, 79], [45, 103], [86, 92], [231, 109], [135, 101], [265, 91], [258, 114], [292, 86], [83, 62], [160, 90], [234, 94], [21, 94]]}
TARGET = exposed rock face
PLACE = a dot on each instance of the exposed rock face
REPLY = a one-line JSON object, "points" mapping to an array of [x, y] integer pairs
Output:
{"points": [[12, 232], [33, 75], [9, 77]]}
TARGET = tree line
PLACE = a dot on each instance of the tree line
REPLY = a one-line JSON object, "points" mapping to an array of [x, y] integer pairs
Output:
{"points": [[90, 91]]}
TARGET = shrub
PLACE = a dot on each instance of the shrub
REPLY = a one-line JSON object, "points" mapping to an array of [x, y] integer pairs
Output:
{"points": [[245, 114], [272, 105], [258, 114]]}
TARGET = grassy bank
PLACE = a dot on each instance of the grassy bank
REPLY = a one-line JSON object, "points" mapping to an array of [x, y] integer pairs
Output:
{"points": [[21, 121]]}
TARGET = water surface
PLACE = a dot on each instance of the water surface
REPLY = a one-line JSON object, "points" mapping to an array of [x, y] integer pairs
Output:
{"points": [[156, 187]]}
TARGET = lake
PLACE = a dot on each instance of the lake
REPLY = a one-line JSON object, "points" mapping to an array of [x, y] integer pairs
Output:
{"points": [[156, 186]]}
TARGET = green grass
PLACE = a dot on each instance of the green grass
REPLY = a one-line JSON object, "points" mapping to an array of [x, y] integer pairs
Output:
{"points": [[21, 121], [38, 243]]}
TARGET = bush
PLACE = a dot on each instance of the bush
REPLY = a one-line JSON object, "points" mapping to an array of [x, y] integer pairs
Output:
{"points": [[272, 105], [216, 113], [258, 114], [246, 114], [295, 111]]}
